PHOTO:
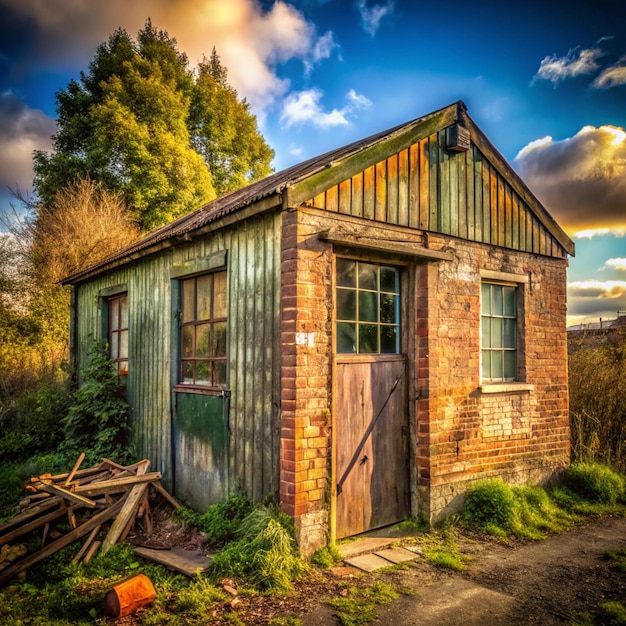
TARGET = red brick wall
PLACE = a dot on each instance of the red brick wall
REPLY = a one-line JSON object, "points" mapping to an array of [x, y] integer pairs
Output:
{"points": [[462, 433]]}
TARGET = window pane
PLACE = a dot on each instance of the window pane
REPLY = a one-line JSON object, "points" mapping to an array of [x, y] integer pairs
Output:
{"points": [[496, 300], [346, 272], [508, 295], [187, 341], [510, 369], [218, 347], [389, 340], [368, 338], [124, 312], [114, 348], [389, 279], [202, 340], [346, 338], [203, 373], [368, 276], [114, 314], [368, 306], [188, 300], [220, 302], [388, 308], [123, 344], [496, 365], [122, 368], [510, 333], [486, 359], [485, 297], [346, 304], [203, 296], [485, 332], [187, 371], [496, 332], [219, 373]]}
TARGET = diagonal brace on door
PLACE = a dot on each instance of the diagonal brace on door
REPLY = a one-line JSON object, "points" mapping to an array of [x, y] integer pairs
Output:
{"points": [[365, 437]]}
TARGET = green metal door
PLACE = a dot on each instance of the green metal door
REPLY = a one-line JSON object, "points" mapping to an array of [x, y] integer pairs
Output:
{"points": [[200, 449]]}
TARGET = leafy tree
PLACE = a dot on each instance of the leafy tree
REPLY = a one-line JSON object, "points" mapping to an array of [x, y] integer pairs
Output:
{"points": [[223, 130], [140, 122]]}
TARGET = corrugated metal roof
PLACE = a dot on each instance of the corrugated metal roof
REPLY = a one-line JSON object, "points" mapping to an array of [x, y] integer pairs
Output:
{"points": [[236, 200]]}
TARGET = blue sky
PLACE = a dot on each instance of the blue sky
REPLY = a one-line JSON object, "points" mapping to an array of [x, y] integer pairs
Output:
{"points": [[545, 80]]}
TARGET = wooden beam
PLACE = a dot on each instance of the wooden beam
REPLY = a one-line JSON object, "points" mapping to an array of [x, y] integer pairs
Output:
{"points": [[104, 516], [131, 502], [116, 485], [380, 245]]}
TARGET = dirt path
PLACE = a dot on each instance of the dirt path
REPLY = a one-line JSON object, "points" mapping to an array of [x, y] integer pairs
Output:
{"points": [[549, 582]]}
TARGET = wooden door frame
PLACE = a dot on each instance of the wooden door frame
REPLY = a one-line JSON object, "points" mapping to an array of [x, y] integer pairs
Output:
{"points": [[408, 339]]}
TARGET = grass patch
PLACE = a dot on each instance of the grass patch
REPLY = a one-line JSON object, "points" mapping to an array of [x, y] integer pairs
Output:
{"points": [[360, 604], [327, 557], [607, 614], [265, 553], [441, 550], [618, 557], [595, 482], [531, 512]]}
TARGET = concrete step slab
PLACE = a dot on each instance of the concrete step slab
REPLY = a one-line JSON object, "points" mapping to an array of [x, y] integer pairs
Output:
{"points": [[361, 546], [368, 562], [396, 555]]}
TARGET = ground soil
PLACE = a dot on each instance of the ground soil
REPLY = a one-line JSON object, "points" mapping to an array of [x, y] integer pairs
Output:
{"points": [[550, 582]]}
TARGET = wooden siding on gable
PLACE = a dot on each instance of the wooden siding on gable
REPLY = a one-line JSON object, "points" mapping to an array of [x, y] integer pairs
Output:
{"points": [[253, 268], [428, 187]]}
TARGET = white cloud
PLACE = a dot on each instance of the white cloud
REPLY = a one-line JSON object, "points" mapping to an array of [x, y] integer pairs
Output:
{"points": [[612, 76], [305, 107], [358, 100], [576, 62], [581, 180], [251, 41], [618, 264], [22, 130], [372, 16], [590, 233]]}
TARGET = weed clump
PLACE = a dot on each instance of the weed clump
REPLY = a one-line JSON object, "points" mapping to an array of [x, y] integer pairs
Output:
{"points": [[221, 521], [264, 554], [327, 556], [489, 504], [595, 482]]}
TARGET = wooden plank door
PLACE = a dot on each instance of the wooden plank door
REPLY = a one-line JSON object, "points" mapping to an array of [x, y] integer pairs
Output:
{"points": [[371, 446]]}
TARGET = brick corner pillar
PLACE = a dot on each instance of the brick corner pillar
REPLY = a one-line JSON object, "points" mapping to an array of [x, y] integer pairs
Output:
{"points": [[305, 450]]}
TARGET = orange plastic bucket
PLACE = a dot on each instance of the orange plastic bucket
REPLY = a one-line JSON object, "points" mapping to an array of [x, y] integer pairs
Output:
{"points": [[129, 596]]}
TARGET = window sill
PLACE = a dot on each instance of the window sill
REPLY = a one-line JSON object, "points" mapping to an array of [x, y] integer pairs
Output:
{"points": [[206, 391], [506, 388]]}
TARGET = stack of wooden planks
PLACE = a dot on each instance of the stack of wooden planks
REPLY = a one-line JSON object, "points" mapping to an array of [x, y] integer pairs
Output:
{"points": [[99, 504]]}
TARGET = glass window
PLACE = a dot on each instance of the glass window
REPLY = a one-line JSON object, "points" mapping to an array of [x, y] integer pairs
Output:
{"points": [[367, 304], [203, 330], [117, 335], [499, 332]]}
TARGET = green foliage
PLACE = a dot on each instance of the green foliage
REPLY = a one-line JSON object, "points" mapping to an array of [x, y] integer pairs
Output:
{"points": [[595, 482], [222, 520], [597, 397], [97, 421], [441, 549], [265, 553], [607, 614], [359, 604], [489, 502], [618, 557], [327, 557], [141, 122]]}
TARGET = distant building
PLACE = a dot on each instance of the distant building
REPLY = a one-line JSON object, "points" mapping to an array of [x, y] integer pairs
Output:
{"points": [[597, 334]]}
